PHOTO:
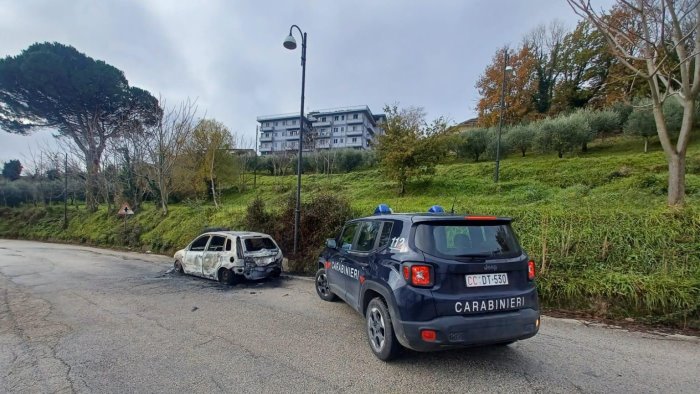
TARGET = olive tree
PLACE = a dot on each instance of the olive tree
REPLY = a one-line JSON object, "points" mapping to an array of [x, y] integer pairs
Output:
{"points": [[659, 41]]}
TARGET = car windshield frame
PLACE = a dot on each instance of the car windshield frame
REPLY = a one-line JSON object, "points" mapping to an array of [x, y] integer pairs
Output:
{"points": [[485, 244]]}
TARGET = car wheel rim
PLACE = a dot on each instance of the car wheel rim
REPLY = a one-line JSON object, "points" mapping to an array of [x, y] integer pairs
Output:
{"points": [[376, 329], [322, 285]]}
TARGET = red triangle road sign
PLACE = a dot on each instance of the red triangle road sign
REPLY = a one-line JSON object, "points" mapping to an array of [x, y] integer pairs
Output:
{"points": [[125, 210]]}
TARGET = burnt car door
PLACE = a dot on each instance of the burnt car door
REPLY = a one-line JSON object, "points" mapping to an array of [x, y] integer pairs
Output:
{"points": [[338, 259], [193, 257], [212, 255]]}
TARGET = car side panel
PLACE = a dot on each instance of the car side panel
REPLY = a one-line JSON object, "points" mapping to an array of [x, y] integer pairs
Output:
{"points": [[210, 263]]}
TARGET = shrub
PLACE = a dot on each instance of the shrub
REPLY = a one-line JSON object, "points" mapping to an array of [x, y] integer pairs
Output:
{"points": [[321, 218], [521, 138], [602, 122], [472, 144], [563, 134], [641, 123]]}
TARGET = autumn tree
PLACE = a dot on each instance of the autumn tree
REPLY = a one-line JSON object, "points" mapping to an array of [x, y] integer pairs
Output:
{"points": [[661, 44], [409, 147], [520, 88], [51, 85]]}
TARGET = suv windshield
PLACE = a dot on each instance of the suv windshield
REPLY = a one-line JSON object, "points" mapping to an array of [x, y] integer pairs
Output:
{"points": [[465, 240], [256, 244]]}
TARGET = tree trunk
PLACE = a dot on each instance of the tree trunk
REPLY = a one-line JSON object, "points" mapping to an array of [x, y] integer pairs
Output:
{"points": [[523, 150], [91, 184], [646, 144], [560, 154], [584, 147], [676, 179]]}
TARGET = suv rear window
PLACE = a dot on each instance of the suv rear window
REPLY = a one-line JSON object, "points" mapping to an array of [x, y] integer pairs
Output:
{"points": [[454, 240], [255, 244]]}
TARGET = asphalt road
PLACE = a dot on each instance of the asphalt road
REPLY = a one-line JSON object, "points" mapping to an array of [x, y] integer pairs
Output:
{"points": [[76, 319]]}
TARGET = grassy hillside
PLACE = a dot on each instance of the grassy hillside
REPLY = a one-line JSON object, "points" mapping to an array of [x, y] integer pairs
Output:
{"points": [[596, 223]]}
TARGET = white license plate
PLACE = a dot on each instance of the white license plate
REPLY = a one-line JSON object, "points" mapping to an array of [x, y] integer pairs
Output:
{"points": [[480, 280]]}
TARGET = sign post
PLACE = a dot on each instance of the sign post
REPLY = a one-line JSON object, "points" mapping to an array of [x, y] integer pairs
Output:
{"points": [[125, 211]]}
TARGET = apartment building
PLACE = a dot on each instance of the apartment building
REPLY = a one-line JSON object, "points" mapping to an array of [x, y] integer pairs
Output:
{"points": [[335, 128]]}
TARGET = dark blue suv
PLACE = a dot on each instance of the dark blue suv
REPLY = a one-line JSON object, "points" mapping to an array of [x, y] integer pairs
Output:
{"points": [[432, 281]]}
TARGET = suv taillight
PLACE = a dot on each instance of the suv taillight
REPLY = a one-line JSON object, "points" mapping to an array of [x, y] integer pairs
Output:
{"points": [[530, 270], [419, 275]]}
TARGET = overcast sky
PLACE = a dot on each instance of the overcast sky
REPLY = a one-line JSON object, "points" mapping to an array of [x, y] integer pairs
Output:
{"points": [[229, 54]]}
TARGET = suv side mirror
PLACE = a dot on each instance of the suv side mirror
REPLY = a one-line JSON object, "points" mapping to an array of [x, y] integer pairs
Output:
{"points": [[330, 243]]}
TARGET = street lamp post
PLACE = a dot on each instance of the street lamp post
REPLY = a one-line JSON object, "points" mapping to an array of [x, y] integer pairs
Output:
{"points": [[290, 43], [506, 69]]}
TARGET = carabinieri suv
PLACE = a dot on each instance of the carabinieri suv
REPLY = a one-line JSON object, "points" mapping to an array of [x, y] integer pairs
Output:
{"points": [[432, 281]]}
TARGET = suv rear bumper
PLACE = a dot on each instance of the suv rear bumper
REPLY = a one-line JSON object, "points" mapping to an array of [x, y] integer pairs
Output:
{"points": [[465, 331]]}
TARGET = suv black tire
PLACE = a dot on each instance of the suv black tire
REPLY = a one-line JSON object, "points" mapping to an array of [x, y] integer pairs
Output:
{"points": [[322, 288], [380, 330]]}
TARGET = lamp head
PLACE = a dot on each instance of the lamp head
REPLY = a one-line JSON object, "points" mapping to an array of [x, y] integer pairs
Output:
{"points": [[509, 70], [290, 42]]}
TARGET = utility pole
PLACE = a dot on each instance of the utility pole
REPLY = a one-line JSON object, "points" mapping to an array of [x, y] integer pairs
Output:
{"points": [[65, 191], [255, 159], [500, 120]]}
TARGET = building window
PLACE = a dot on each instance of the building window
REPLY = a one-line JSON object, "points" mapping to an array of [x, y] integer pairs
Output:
{"points": [[342, 129], [284, 134], [335, 140], [294, 121], [354, 139], [354, 116], [335, 129], [341, 140], [323, 119], [275, 123], [342, 117], [336, 117]]}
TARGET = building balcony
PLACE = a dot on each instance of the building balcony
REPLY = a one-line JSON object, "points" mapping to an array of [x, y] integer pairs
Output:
{"points": [[354, 132], [321, 124], [356, 121], [267, 128], [268, 138]]}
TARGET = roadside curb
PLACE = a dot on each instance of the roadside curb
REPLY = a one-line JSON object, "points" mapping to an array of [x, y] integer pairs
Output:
{"points": [[656, 334], [305, 278]]}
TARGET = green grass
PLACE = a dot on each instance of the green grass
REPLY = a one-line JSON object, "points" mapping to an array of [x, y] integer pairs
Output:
{"points": [[597, 224]]}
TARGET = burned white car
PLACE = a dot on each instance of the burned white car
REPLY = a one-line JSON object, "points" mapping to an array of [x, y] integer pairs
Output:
{"points": [[229, 256]]}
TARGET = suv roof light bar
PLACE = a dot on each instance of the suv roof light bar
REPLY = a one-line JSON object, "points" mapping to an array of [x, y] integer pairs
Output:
{"points": [[383, 209]]}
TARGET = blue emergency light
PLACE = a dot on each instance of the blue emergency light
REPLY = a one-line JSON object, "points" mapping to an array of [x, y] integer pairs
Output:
{"points": [[436, 209], [383, 209]]}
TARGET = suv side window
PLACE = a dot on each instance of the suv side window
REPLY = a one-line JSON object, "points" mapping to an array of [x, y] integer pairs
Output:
{"points": [[199, 244], [217, 244], [348, 235], [367, 236], [385, 235]]}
